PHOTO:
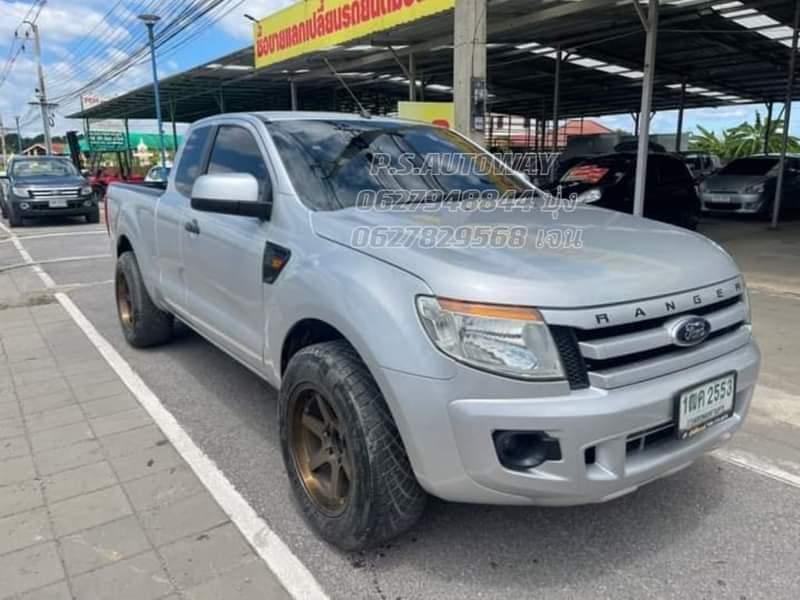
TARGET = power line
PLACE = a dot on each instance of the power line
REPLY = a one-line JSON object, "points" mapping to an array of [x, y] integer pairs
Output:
{"points": [[190, 19], [12, 57]]}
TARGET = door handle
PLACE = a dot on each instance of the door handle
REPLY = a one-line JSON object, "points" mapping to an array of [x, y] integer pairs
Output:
{"points": [[192, 227]]}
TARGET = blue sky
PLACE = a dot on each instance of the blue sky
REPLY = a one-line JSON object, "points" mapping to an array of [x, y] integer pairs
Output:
{"points": [[71, 28]]}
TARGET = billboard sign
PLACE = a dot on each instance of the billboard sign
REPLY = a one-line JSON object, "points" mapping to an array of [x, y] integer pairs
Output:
{"points": [[310, 25], [90, 101], [106, 141], [442, 114]]}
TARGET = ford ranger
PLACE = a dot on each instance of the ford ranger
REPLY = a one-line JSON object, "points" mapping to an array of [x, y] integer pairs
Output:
{"points": [[424, 344], [46, 186]]}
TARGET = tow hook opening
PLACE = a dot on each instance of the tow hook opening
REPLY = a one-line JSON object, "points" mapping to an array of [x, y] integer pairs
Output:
{"points": [[523, 450]]}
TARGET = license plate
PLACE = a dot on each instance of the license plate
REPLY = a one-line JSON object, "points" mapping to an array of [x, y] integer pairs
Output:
{"points": [[720, 198], [704, 405], [57, 203]]}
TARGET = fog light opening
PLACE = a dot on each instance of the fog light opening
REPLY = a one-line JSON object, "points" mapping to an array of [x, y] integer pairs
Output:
{"points": [[87, 203], [523, 450], [24, 205]]}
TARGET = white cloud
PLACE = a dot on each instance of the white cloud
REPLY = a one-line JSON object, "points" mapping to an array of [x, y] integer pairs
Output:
{"points": [[239, 27]]}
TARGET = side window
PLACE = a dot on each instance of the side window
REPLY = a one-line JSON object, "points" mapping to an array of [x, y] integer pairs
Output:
{"points": [[191, 163], [236, 151], [673, 171]]}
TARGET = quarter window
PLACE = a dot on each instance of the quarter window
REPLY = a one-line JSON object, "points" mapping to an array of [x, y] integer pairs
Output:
{"points": [[236, 151]]}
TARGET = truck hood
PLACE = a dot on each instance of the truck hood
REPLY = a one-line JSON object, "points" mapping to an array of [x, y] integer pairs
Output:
{"points": [[621, 258], [732, 183], [51, 181]]}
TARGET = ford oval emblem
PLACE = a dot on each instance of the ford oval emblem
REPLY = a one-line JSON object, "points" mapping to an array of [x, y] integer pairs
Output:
{"points": [[689, 331]]}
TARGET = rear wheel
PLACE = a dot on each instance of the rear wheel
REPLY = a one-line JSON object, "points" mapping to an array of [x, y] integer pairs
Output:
{"points": [[143, 323], [347, 465]]}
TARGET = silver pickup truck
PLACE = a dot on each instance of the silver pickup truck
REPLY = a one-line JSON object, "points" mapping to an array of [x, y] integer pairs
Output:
{"points": [[486, 352]]}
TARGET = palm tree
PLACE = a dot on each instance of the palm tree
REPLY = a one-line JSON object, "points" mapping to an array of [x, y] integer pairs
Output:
{"points": [[708, 141], [745, 139]]}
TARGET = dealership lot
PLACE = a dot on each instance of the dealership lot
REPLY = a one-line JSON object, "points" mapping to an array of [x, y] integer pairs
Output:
{"points": [[724, 528]]}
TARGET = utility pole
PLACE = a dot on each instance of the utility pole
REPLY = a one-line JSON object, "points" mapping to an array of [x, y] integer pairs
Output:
{"points": [[43, 104], [3, 141], [19, 136]]}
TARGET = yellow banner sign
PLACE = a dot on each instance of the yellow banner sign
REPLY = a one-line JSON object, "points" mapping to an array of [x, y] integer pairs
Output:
{"points": [[442, 114], [312, 25]]}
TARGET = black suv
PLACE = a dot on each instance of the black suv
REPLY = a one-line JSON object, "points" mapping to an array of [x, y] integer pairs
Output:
{"points": [[608, 181]]}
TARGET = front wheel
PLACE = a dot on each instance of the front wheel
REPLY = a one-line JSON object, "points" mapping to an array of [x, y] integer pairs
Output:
{"points": [[14, 220], [143, 323], [347, 465], [94, 216]]}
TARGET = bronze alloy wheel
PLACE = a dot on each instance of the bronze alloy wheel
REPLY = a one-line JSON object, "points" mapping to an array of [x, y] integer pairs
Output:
{"points": [[319, 448], [124, 303]]}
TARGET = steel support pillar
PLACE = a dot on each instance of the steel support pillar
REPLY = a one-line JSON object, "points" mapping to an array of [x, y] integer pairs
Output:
{"points": [[412, 78], [556, 94], [679, 132], [787, 117], [469, 66], [768, 126], [293, 94], [651, 30]]}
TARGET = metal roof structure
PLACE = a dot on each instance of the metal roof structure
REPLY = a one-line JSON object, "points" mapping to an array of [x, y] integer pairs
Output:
{"points": [[727, 52]]}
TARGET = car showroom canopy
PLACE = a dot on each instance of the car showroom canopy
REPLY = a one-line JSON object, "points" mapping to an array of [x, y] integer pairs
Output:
{"points": [[709, 53]]}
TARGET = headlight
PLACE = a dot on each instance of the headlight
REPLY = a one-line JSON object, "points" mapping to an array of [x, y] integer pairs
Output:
{"points": [[756, 188], [508, 340], [86, 190], [746, 298], [589, 196], [20, 191]]}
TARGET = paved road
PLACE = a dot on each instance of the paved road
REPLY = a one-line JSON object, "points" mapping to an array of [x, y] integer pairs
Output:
{"points": [[715, 530]]}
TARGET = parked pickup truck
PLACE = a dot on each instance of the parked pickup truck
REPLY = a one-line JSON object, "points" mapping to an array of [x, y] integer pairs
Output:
{"points": [[45, 186], [500, 373]]}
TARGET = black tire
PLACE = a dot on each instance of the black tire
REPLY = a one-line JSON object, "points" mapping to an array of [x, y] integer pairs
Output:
{"points": [[94, 216], [142, 322], [14, 220], [384, 498]]}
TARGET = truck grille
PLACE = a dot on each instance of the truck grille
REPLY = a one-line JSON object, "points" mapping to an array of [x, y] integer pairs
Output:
{"points": [[618, 355], [55, 193]]}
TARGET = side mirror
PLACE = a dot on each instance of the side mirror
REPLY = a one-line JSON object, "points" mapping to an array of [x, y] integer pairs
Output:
{"points": [[231, 194]]}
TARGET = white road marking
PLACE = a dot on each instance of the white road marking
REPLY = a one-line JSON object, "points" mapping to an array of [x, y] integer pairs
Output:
{"points": [[292, 573], [758, 465], [39, 236], [50, 260]]}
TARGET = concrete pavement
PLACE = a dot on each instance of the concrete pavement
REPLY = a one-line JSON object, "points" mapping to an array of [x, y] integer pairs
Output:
{"points": [[95, 502]]}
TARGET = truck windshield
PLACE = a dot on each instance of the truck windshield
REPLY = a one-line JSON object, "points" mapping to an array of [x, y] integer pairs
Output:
{"points": [[334, 163], [43, 168]]}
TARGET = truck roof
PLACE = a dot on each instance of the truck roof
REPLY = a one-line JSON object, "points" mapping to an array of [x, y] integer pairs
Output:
{"points": [[307, 115]]}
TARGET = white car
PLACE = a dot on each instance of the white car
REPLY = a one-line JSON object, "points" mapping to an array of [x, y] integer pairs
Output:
{"points": [[158, 174]]}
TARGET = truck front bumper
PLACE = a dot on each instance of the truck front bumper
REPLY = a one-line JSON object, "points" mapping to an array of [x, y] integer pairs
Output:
{"points": [[31, 209], [448, 426]]}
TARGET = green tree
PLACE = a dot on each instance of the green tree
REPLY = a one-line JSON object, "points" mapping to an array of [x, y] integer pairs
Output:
{"points": [[745, 139]]}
